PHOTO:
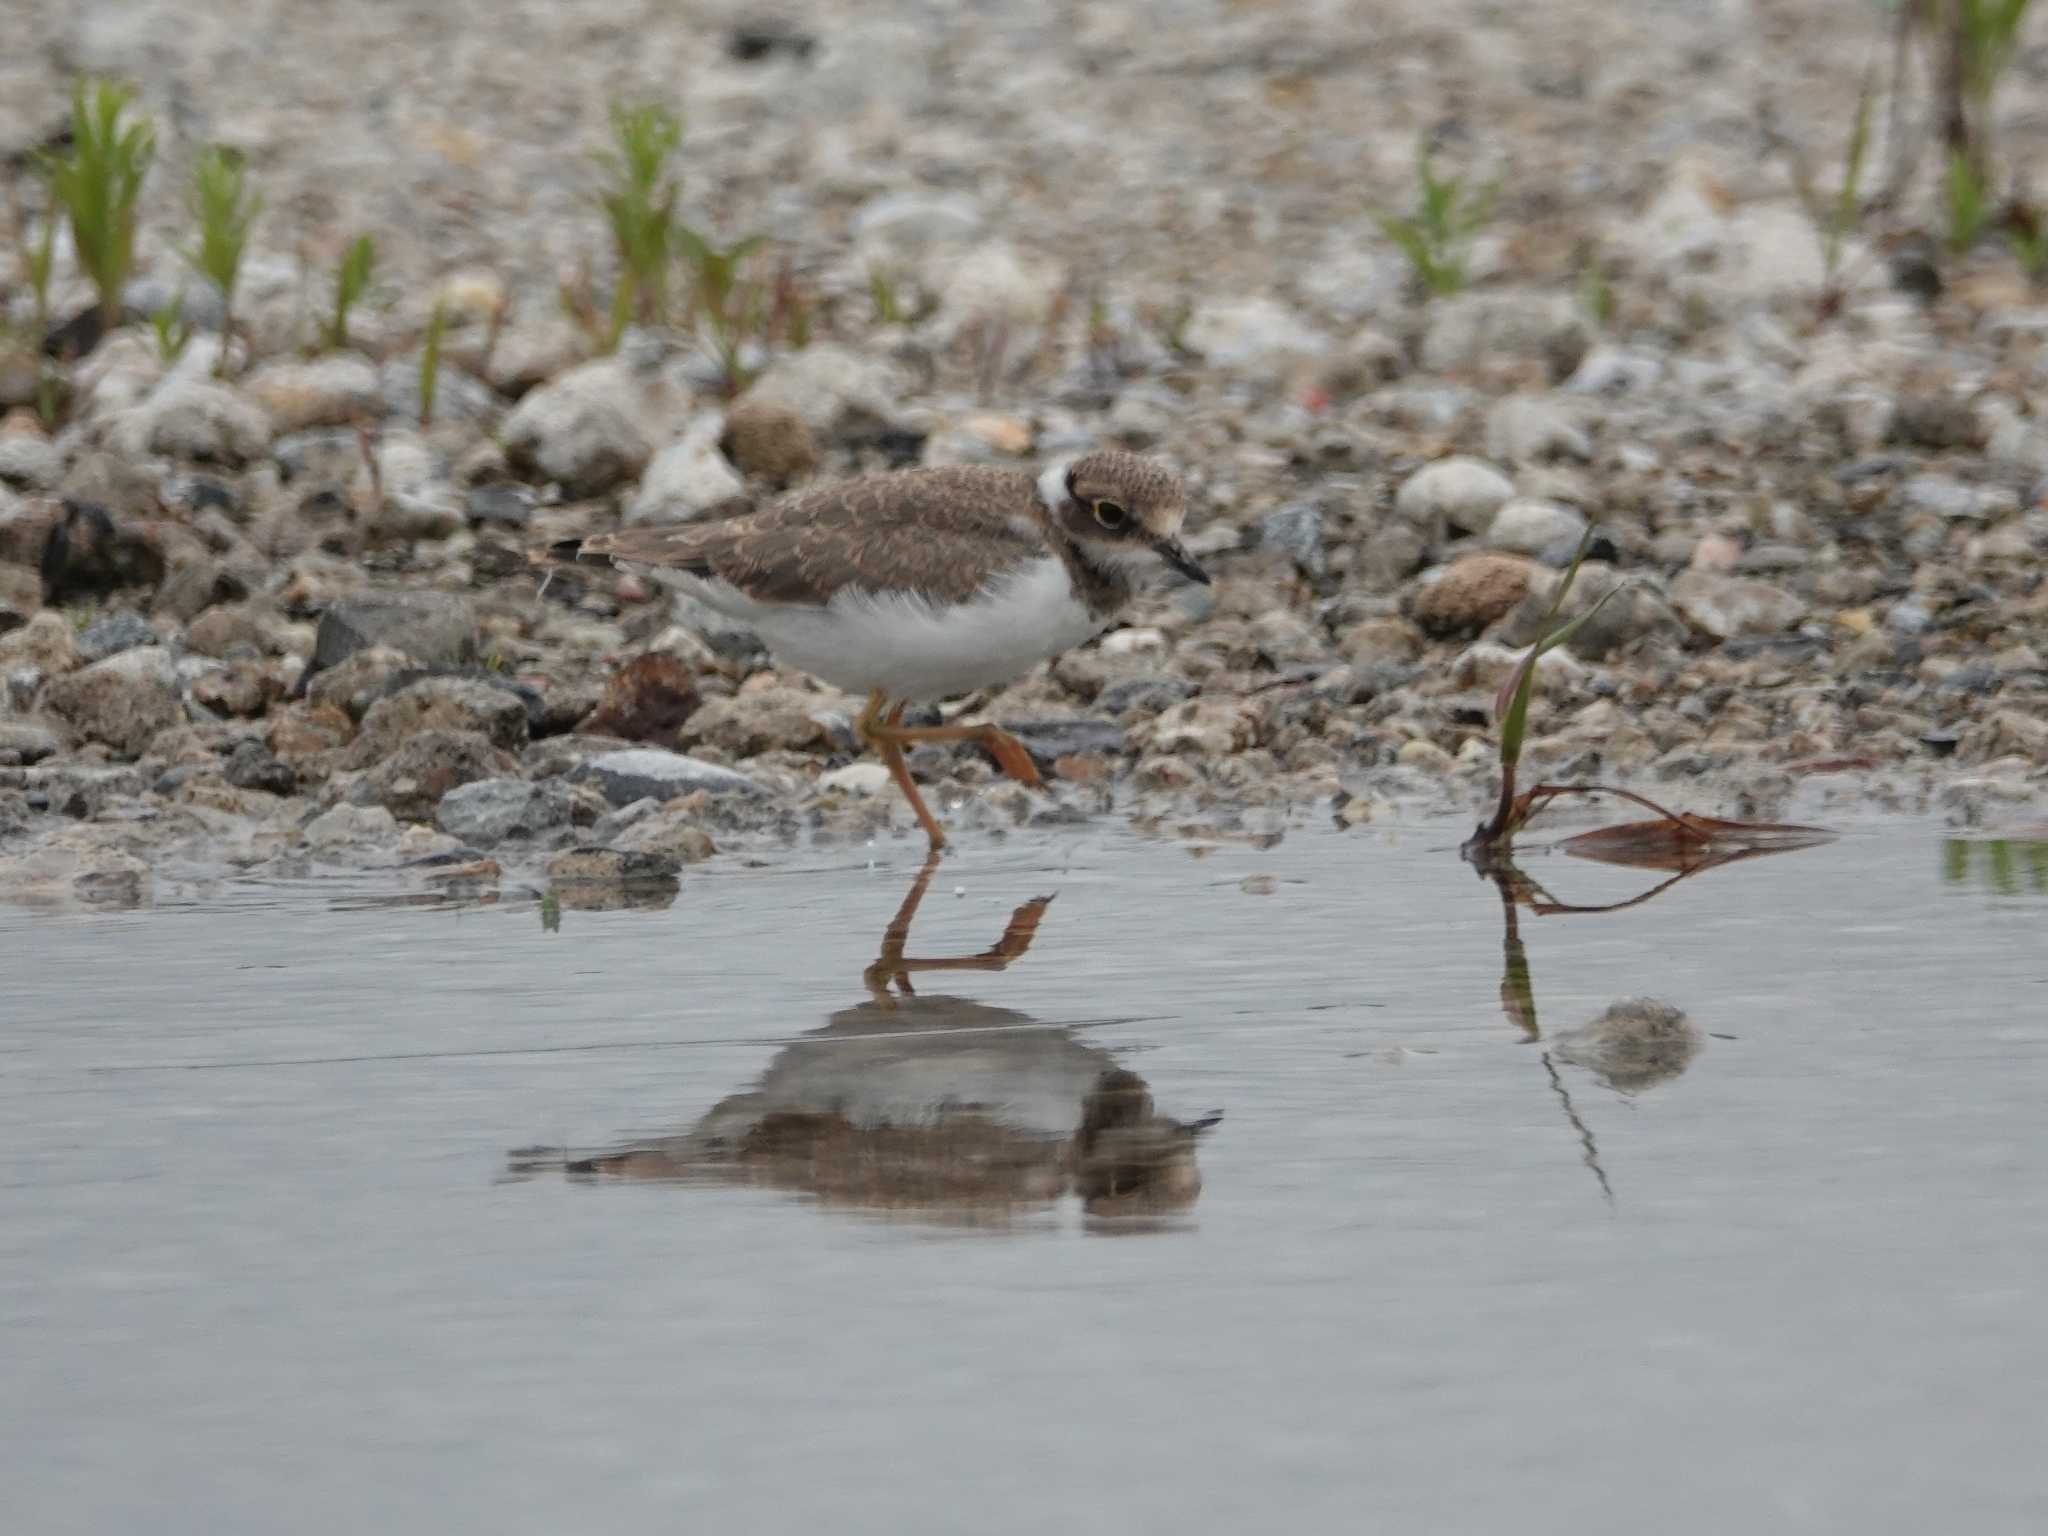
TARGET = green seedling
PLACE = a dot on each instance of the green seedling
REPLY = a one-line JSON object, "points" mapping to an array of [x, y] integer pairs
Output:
{"points": [[351, 282], [430, 361], [1969, 205], [639, 207], [40, 260], [2029, 241], [1989, 35], [728, 309], [1835, 218], [221, 201], [98, 182], [883, 294], [1437, 238], [171, 330]]}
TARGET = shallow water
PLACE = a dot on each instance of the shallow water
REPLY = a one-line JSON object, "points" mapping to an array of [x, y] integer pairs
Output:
{"points": [[274, 1254]]}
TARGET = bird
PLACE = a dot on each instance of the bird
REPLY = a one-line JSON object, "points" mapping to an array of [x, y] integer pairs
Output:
{"points": [[918, 585]]}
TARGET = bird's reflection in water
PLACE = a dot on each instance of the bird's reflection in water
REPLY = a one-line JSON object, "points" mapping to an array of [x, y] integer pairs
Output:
{"points": [[933, 1107]]}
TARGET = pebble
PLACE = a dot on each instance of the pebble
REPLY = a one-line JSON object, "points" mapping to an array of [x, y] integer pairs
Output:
{"points": [[647, 773], [1467, 596], [1540, 529], [433, 628], [1725, 606], [1467, 493], [487, 812], [588, 430], [687, 478], [123, 701]]}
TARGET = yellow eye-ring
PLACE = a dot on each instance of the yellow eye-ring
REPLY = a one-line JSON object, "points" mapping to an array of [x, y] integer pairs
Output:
{"points": [[1110, 515]]}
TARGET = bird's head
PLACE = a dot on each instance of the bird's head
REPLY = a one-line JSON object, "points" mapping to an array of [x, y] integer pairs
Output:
{"points": [[1124, 512]]}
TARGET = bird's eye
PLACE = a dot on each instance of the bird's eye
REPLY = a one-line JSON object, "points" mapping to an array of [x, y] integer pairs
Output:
{"points": [[1110, 515]]}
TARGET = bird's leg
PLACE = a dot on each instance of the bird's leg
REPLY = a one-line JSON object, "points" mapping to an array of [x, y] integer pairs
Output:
{"points": [[1007, 750], [872, 728]]}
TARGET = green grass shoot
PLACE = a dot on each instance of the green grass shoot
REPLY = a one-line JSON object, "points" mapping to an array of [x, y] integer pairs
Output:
{"points": [[430, 361], [1437, 237], [98, 182], [639, 205], [225, 208], [351, 282]]}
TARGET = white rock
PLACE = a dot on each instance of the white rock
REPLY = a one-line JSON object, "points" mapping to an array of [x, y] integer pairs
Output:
{"points": [[1487, 666], [350, 825], [1235, 332], [1525, 428], [1464, 492], [1726, 606], [997, 282], [1478, 329], [595, 426], [194, 419], [856, 779], [834, 389], [687, 478], [30, 461], [896, 222], [330, 391], [1542, 529], [420, 502]]}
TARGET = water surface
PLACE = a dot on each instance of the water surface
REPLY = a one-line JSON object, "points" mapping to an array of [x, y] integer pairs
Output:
{"points": [[277, 1252]]}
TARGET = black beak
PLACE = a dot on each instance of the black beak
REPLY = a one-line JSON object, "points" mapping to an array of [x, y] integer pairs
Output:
{"points": [[1175, 554]]}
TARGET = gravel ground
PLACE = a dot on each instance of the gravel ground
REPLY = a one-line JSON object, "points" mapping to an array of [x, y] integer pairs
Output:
{"points": [[270, 620]]}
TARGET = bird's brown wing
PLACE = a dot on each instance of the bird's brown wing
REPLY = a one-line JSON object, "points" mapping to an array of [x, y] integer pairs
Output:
{"points": [[939, 532]]}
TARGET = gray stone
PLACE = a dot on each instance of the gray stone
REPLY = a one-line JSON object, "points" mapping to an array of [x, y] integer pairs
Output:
{"points": [[909, 221], [1626, 617], [412, 496], [1541, 529], [27, 742], [331, 391], [642, 773], [1523, 429], [589, 430], [687, 478], [1726, 606], [188, 418], [1147, 695], [442, 703], [458, 396], [413, 779], [251, 766], [435, 628], [115, 633], [837, 391], [490, 811], [122, 701], [613, 866], [1296, 530], [669, 834], [1464, 492], [30, 461], [347, 826], [21, 596], [1235, 333], [1049, 740], [1488, 326]]}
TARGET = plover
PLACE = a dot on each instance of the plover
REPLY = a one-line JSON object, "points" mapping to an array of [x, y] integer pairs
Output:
{"points": [[924, 584]]}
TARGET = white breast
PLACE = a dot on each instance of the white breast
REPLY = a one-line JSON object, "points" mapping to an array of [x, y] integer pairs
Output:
{"points": [[911, 648]]}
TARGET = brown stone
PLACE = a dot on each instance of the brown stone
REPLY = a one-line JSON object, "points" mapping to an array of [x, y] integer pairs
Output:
{"points": [[770, 442], [645, 700], [1473, 593]]}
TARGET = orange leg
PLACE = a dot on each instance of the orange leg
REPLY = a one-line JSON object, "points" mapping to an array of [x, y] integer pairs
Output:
{"points": [[1006, 749], [882, 736]]}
